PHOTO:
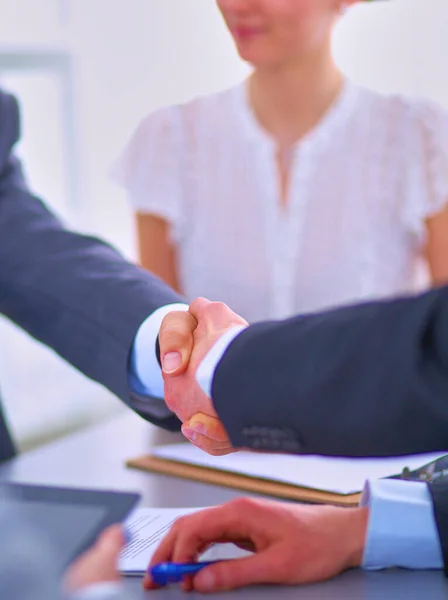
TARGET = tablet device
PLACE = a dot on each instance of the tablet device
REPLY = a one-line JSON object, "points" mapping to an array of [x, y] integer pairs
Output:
{"points": [[71, 519]]}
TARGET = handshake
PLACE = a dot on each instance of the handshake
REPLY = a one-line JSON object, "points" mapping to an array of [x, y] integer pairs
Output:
{"points": [[290, 543], [185, 339]]}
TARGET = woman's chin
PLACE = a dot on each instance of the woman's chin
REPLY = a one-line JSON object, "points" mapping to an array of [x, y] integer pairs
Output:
{"points": [[255, 58]]}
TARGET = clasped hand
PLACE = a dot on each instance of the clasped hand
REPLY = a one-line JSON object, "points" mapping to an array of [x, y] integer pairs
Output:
{"points": [[185, 339]]}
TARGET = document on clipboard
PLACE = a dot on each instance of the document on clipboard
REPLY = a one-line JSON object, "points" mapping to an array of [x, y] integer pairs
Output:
{"points": [[317, 479]]}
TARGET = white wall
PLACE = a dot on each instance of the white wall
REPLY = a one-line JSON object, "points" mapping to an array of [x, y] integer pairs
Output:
{"points": [[397, 46], [431, 54], [29, 21]]}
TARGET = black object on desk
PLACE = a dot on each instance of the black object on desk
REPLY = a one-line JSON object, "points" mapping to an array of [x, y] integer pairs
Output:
{"points": [[432, 471], [70, 518]]}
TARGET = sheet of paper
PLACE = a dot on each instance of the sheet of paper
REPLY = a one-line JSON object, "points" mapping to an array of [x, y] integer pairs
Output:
{"points": [[147, 527], [339, 475]]}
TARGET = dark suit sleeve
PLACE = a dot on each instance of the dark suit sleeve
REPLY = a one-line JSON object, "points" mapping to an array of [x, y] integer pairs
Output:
{"points": [[7, 448], [370, 380], [439, 493], [72, 292]]}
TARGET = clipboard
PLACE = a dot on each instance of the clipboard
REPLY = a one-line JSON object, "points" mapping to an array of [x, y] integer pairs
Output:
{"points": [[165, 461], [245, 483]]}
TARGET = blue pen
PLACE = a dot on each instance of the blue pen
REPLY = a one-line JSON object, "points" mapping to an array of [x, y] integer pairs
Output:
{"points": [[165, 573]]}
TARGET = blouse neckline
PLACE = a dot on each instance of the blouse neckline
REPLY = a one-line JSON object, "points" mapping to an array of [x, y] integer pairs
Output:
{"points": [[333, 118]]}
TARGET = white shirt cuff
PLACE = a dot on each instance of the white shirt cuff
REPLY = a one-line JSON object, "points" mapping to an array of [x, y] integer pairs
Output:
{"points": [[402, 530], [109, 590], [145, 376], [207, 368]]}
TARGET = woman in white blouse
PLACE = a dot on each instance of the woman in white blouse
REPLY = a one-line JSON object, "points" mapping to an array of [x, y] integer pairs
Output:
{"points": [[296, 190]]}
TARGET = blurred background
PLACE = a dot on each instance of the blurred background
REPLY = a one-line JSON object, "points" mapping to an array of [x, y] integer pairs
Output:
{"points": [[87, 71]]}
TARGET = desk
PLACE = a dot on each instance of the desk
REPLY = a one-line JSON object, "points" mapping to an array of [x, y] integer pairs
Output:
{"points": [[95, 458]]}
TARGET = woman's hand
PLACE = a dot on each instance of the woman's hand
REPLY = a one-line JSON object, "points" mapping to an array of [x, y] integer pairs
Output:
{"points": [[98, 564], [292, 544]]}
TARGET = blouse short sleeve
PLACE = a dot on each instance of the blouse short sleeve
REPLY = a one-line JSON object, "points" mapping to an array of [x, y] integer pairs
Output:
{"points": [[149, 169], [429, 155]]}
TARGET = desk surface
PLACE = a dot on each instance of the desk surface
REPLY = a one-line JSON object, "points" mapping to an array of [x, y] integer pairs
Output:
{"points": [[95, 458]]}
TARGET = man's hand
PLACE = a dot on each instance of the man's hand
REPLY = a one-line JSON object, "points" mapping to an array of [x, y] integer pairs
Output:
{"points": [[97, 565], [208, 434], [292, 544], [208, 321]]}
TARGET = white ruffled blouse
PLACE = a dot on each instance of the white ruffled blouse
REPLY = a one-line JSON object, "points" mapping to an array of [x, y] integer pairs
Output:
{"points": [[362, 184]]}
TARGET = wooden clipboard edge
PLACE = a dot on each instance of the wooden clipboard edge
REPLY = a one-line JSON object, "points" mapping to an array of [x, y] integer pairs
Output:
{"points": [[241, 482]]}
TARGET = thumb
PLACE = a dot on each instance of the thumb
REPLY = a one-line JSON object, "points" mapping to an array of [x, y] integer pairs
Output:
{"points": [[209, 426], [231, 574], [110, 543], [176, 342]]}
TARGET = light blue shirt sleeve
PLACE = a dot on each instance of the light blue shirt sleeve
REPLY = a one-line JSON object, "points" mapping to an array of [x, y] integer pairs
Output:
{"points": [[207, 368], [145, 374], [402, 530]]}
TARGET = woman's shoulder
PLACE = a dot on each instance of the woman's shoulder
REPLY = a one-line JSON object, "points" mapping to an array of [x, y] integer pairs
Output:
{"points": [[413, 114], [414, 131], [187, 117]]}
